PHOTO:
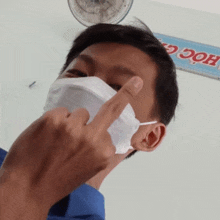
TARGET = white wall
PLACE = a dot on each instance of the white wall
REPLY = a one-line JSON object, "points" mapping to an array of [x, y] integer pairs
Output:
{"points": [[180, 180]]}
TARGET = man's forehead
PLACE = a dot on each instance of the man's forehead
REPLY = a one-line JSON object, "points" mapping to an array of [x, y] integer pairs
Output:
{"points": [[123, 55], [114, 48], [117, 68]]}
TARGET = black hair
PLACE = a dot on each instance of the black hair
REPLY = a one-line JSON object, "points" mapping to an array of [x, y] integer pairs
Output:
{"points": [[166, 88]]}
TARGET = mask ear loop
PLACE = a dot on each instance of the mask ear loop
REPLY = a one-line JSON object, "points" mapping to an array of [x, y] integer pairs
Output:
{"points": [[148, 123]]}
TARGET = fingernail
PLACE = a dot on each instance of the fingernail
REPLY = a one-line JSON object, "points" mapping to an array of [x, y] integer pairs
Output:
{"points": [[137, 82]]}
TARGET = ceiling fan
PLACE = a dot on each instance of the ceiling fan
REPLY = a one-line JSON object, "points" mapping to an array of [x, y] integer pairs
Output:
{"points": [[90, 12]]}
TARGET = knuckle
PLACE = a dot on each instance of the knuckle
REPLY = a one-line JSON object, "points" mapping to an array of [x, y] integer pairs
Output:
{"points": [[66, 127], [54, 114], [48, 118], [87, 138], [76, 134], [113, 107], [105, 154], [51, 120], [104, 146], [103, 162], [92, 135], [82, 113], [108, 153], [98, 145], [71, 131], [85, 111], [47, 115], [59, 110], [128, 91]]}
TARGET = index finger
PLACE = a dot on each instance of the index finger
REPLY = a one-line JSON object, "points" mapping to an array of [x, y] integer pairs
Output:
{"points": [[112, 109]]}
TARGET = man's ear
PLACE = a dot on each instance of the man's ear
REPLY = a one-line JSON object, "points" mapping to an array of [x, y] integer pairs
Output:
{"points": [[149, 138]]}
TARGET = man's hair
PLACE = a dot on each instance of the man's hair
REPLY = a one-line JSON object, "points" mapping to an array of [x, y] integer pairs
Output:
{"points": [[142, 38]]}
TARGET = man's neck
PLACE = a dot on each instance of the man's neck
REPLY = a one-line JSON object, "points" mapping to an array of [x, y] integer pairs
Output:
{"points": [[97, 180]]}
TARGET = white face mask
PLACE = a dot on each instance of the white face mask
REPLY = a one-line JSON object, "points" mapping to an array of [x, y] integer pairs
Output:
{"points": [[91, 93]]}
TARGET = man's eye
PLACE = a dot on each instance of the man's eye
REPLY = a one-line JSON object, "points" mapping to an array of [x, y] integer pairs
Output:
{"points": [[77, 72], [116, 87], [81, 74]]}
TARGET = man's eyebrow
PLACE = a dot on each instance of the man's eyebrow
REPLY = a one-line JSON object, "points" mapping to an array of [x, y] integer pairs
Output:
{"points": [[123, 70]]}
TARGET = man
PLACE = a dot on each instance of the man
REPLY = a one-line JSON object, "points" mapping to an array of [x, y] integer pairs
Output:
{"points": [[29, 173]]}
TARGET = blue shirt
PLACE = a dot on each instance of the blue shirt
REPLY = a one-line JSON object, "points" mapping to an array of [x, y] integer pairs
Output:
{"points": [[83, 203]]}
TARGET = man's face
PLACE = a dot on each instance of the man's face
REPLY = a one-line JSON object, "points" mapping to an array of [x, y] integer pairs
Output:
{"points": [[103, 60]]}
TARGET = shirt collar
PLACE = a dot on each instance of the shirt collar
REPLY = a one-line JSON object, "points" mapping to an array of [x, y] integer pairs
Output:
{"points": [[86, 200]]}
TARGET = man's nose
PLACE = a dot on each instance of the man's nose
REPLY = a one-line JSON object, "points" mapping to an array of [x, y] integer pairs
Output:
{"points": [[101, 76]]}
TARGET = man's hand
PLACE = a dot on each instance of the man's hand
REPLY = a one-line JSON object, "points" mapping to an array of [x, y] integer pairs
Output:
{"points": [[58, 152]]}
